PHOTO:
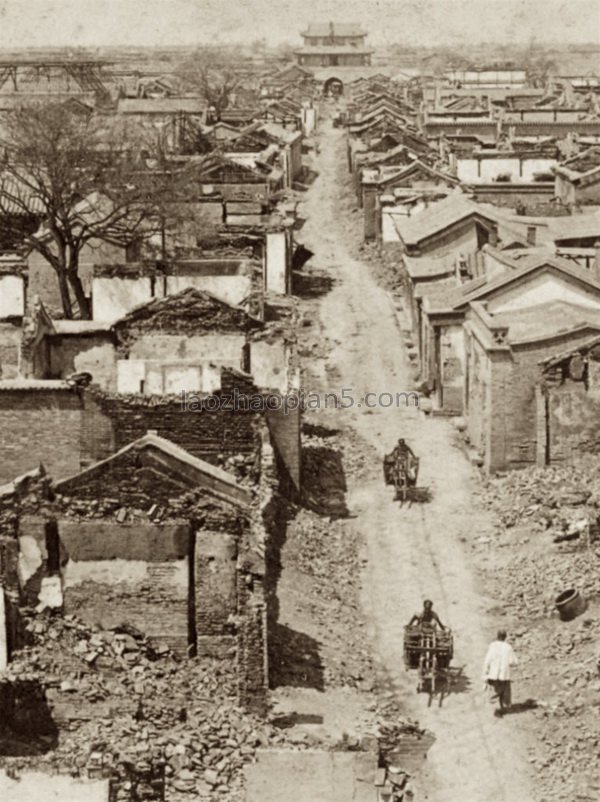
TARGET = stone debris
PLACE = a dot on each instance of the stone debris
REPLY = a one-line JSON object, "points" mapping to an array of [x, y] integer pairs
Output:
{"points": [[127, 709], [547, 527], [556, 498]]}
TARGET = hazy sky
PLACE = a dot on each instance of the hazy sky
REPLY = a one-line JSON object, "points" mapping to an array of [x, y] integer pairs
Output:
{"points": [[187, 22]]}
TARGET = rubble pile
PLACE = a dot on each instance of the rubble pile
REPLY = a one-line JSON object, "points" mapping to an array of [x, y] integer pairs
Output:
{"points": [[323, 479], [559, 505], [547, 542], [325, 553], [119, 700], [567, 705], [554, 498]]}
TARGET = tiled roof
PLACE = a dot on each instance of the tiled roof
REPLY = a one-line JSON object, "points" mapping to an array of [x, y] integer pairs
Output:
{"points": [[190, 309], [479, 288], [33, 384], [163, 105], [587, 160], [582, 348], [577, 226], [80, 326], [436, 218], [222, 483], [424, 267], [324, 50], [18, 198], [335, 28]]}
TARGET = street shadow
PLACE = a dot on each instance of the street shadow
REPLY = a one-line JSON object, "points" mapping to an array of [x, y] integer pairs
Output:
{"points": [[324, 481], [305, 179], [316, 430], [420, 495], [311, 285], [301, 256], [415, 495], [457, 681], [286, 720], [27, 727], [521, 707], [295, 659]]}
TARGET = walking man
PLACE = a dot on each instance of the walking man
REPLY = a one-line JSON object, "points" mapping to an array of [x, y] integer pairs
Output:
{"points": [[496, 670]]}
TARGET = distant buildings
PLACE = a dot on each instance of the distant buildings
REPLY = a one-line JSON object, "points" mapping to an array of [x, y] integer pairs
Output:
{"points": [[334, 45]]}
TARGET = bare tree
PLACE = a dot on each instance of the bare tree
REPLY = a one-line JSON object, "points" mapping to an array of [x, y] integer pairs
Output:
{"points": [[83, 178], [539, 70], [213, 76]]}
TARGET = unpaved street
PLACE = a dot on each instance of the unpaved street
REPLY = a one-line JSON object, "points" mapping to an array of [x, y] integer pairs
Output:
{"points": [[413, 552]]}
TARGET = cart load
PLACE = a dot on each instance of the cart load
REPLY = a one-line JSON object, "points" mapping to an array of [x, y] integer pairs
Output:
{"points": [[427, 642]]}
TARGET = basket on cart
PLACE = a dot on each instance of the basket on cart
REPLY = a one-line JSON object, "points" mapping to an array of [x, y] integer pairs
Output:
{"points": [[391, 468], [388, 469], [431, 639]]}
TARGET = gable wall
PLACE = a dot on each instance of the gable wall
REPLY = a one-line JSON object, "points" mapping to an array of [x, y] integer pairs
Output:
{"points": [[462, 238], [541, 288]]}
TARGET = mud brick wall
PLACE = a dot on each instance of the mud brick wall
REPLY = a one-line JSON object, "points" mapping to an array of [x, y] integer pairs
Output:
{"points": [[574, 416], [511, 195], [10, 347], [252, 660], [112, 423], [137, 574], [97, 432], [285, 427], [215, 586], [39, 426], [512, 417]]}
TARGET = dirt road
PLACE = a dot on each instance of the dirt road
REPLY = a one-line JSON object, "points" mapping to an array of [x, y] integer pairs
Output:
{"points": [[415, 552]]}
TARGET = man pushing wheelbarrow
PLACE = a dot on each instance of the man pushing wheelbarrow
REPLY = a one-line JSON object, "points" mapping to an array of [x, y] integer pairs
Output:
{"points": [[401, 468]]}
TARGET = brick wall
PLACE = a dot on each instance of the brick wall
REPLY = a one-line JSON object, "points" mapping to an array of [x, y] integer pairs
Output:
{"points": [[39, 426], [512, 422], [93, 353], [10, 346], [113, 422], [252, 660], [285, 429], [155, 603], [369, 195], [215, 578], [503, 397], [476, 401], [43, 280], [510, 195], [574, 416], [589, 194], [114, 573]]}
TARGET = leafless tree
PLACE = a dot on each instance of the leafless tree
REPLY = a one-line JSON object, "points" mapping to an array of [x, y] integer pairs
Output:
{"points": [[81, 176], [213, 75]]}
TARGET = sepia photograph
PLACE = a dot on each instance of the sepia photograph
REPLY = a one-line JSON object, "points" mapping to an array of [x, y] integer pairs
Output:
{"points": [[299, 401]]}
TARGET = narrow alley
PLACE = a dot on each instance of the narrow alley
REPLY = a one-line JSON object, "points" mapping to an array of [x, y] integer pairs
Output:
{"points": [[414, 552]]}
